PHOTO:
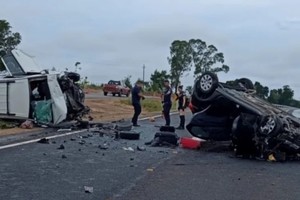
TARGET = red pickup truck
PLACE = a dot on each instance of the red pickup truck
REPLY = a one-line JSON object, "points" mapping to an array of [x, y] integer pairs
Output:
{"points": [[115, 87]]}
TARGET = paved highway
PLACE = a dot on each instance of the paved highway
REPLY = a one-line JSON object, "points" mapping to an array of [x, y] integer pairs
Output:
{"points": [[38, 171]]}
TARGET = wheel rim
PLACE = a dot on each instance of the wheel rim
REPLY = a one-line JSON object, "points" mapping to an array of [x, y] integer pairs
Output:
{"points": [[269, 125], [206, 82]]}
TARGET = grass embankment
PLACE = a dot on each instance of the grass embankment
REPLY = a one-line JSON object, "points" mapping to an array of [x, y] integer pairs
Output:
{"points": [[150, 104], [7, 124]]}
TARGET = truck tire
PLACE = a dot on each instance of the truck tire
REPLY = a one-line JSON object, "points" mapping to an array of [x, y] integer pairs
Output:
{"points": [[114, 94], [120, 94], [105, 93], [127, 95]]}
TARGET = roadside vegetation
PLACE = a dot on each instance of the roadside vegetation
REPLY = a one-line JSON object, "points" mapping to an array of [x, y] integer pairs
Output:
{"points": [[4, 124], [149, 104]]}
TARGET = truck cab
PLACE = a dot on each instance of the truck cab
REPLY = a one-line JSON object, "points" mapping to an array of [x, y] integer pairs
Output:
{"points": [[27, 93]]}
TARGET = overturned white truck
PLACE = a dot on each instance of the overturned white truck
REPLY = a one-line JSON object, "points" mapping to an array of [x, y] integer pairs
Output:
{"points": [[27, 92]]}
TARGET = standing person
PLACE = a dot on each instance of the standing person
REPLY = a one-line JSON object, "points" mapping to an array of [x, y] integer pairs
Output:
{"points": [[166, 100], [181, 97], [136, 96]]}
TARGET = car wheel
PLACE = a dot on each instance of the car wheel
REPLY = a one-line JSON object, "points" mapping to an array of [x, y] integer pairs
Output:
{"points": [[105, 93], [246, 83], [204, 87], [208, 82], [269, 125]]}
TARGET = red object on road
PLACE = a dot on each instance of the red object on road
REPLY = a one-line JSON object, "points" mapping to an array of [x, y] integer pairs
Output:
{"points": [[190, 142]]}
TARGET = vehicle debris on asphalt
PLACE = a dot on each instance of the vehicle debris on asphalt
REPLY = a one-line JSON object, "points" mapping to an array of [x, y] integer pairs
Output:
{"points": [[88, 189], [28, 124]]}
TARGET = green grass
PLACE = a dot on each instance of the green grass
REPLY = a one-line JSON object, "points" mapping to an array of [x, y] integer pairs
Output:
{"points": [[150, 105], [6, 124]]}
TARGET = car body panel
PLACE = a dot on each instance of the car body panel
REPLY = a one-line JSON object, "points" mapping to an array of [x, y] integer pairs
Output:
{"points": [[18, 63], [14, 98], [59, 107]]}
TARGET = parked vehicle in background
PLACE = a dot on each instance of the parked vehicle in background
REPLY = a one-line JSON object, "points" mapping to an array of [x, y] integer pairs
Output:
{"points": [[27, 92], [115, 88]]}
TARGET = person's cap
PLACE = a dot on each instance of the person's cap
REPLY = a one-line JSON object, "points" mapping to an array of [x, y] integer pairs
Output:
{"points": [[139, 82], [166, 81]]}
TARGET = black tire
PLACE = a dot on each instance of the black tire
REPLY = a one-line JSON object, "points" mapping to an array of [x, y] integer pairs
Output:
{"points": [[129, 135], [127, 95], [120, 94], [124, 127], [208, 95], [167, 137], [247, 83], [270, 126], [207, 82], [167, 129], [105, 93], [113, 94]]}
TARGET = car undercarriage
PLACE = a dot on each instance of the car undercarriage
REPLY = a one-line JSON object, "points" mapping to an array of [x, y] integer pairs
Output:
{"points": [[257, 128]]}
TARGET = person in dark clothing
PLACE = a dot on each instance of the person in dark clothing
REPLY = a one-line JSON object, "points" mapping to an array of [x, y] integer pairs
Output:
{"points": [[136, 97], [181, 97], [167, 101]]}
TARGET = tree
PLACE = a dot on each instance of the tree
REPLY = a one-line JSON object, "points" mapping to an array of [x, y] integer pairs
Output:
{"points": [[127, 81], [8, 39], [204, 57], [157, 79], [180, 60], [283, 96], [286, 96], [261, 91]]}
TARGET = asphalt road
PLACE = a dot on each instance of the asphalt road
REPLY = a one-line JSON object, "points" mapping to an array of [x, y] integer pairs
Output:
{"points": [[38, 171]]}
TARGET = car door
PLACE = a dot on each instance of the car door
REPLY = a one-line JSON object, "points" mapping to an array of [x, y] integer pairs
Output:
{"points": [[59, 107]]}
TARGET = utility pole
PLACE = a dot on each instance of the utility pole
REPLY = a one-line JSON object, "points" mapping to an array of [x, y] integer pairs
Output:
{"points": [[144, 73]]}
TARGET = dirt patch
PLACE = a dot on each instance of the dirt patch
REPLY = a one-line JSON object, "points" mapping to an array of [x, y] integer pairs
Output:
{"points": [[14, 131], [105, 110]]}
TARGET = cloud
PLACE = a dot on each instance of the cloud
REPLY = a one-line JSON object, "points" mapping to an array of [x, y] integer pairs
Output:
{"points": [[113, 39]]}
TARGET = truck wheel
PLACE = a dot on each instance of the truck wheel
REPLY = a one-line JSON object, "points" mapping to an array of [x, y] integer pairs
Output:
{"points": [[127, 95], [119, 94], [105, 93], [113, 94]]}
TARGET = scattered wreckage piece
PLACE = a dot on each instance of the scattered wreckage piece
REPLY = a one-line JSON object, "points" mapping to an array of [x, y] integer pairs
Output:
{"points": [[129, 135], [165, 137], [190, 142], [47, 98], [257, 128]]}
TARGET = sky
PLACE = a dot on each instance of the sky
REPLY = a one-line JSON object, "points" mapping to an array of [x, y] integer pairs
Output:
{"points": [[115, 38]]}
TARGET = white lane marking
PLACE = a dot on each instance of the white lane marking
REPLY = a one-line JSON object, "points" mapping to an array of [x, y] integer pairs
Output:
{"points": [[35, 140], [156, 116], [62, 135]]}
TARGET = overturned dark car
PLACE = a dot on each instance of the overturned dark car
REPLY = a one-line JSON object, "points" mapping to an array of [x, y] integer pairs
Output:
{"points": [[256, 128]]}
